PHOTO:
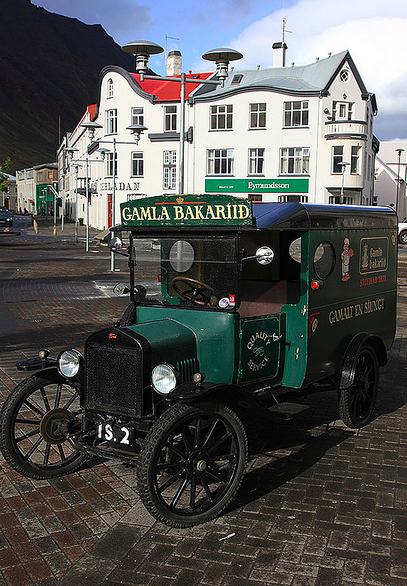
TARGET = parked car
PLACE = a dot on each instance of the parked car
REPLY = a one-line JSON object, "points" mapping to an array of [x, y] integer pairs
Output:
{"points": [[403, 231], [6, 218], [236, 309]]}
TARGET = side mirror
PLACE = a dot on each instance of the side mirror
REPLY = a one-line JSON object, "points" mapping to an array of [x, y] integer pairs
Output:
{"points": [[264, 255]]}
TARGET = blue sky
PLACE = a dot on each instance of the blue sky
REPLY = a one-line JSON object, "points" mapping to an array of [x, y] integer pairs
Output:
{"points": [[199, 26], [372, 30]]}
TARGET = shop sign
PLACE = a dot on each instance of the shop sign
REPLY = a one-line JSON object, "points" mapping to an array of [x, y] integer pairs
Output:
{"points": [[259, 185]]}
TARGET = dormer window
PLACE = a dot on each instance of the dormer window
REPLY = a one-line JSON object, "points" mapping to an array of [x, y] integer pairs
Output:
{"points": [[110, 88], [342, 110]]}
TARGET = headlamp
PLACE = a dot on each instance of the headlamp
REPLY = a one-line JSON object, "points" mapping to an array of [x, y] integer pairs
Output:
{"points": [[164, 378], [69, 363]]}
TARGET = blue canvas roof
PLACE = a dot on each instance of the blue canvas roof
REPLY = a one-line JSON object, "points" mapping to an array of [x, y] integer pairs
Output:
{"points": [[298, 216]]}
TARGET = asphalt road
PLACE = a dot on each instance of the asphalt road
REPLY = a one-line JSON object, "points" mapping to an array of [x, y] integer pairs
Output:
{"points": [[321, 505]]}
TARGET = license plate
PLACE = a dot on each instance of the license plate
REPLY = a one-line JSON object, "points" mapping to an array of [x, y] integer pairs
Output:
{"points": [[115, 434]]}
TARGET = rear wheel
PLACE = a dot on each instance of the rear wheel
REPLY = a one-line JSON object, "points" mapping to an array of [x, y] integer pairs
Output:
{"points": [[358, 402], [403, 237], [35, 423], [192, 463]]}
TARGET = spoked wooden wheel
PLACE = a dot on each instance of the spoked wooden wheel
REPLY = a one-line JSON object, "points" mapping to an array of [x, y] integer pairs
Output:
{"points": [[357, 403], [192, 463], [36, 422]]}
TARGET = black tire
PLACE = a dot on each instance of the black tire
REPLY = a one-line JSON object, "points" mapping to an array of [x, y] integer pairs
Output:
{"points": [[357, 403], [19, 418], [190, 455], [403, 237]]}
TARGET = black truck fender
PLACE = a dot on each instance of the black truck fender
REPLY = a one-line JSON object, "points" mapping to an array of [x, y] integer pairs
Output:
{"points": [[347, 374]]}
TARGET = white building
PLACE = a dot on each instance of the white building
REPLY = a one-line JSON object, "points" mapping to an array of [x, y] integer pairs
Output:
{"points": [[274, 134], [8, 198], [388, 174], [33, 194]]}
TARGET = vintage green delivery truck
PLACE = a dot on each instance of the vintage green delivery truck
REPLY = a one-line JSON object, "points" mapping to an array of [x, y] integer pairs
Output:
{"points": [[233, 309]]}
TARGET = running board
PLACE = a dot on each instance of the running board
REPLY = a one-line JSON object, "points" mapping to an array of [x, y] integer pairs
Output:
{"points": [[287, 410]]}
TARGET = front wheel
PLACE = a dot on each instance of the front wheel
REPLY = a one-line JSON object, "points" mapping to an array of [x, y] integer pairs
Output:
{"points": [[35, 424], [357, 403], [192, 463]]}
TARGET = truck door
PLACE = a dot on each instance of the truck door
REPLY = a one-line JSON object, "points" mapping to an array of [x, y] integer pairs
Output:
{"points": [[261, 343]]}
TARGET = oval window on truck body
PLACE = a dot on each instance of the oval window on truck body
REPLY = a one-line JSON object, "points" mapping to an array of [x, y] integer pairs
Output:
{"points": [[324, 260]]}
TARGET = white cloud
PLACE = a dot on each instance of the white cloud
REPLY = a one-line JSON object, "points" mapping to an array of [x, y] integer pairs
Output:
{"points": [[374, 32]]}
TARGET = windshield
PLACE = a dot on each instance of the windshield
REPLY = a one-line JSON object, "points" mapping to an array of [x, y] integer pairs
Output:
{"points": [[183, 271]]}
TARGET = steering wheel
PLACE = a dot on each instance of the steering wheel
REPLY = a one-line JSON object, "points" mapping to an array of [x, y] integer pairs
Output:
{"points": [[196, 291]]}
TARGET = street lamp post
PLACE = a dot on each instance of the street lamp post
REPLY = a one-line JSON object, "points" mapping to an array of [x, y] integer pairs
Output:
{"points": [[398, 151], [142, 50], [136, 130], [343, 166]]}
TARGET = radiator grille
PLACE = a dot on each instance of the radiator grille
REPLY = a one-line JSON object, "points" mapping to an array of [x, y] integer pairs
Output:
{"points": [[187, 368], [114, 379]]}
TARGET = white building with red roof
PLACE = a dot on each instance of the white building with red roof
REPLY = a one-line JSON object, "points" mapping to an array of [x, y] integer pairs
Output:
{"points": [[275, 134]]}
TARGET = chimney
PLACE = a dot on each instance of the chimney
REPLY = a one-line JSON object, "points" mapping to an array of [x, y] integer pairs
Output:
{"points": [[174, 63], [279, 50]]}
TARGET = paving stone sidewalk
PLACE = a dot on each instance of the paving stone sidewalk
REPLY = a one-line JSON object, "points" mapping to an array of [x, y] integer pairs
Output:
{"points": [[320, 505]]}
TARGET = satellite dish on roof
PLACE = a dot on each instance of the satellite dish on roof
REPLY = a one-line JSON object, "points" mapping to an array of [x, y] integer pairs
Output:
{"points": [[222, 58], [142, 50]]}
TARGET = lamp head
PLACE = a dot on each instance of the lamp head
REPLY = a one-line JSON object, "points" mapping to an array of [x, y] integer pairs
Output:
{"points": [[136, 130]]}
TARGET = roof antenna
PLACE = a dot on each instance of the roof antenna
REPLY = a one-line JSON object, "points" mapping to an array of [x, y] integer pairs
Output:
{"points": [[292, 63], [258, 67], [166, 47], [317, 59], [330, 53]]}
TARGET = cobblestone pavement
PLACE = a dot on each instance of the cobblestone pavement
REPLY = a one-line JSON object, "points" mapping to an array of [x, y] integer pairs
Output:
{"points": [[320, 505]]}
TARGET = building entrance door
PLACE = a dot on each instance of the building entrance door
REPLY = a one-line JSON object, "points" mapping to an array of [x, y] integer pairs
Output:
{"points": [[109, 211]]}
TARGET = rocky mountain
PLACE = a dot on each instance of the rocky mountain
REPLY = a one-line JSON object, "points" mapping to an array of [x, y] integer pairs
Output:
{"points": [[49, 67]]}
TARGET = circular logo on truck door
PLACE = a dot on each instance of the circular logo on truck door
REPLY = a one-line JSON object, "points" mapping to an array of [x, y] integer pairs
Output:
{"points": [[257, 347]]}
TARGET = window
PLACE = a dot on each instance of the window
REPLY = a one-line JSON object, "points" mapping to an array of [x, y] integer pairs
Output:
{"points": [[324, 260], [137, 116], [293, 197], [169, 169], [256, 161], [221, 117], [220, 161], [170, 118], [354, 160], [294, 161], [336, 199], [296, 114], [337, 159], [257, 115], [137, 165], [344, 75], [110, 168], [111, 121], [110, 88], [342, 111]]}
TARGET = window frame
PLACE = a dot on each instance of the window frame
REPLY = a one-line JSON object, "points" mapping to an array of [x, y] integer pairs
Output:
{"points": [[215, 115], [110, 89], [257, 114], [256, 159], [110, 165], [139, 160], [338, 146], [352, 159], [137, 118], [111, 121], [223, 160], [170, 117], [304, 160], [169, 170], [302, 111]]}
